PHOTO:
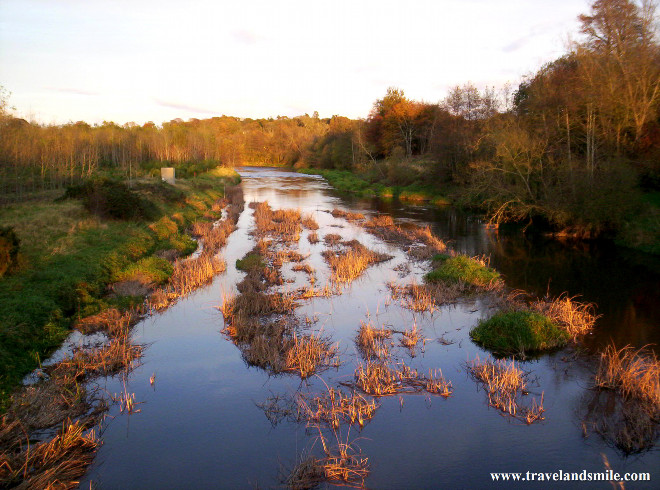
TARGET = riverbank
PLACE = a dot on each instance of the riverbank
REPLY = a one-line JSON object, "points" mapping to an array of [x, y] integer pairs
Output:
{"points": [[73, 262], [641, 232], [365, 186]]}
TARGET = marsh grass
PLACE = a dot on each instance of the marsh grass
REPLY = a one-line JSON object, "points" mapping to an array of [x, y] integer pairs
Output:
{"points": [[347, 215], [576, 318], [284, 224], [341, 466], [505, 383], [420, 241], [308, 354], [58, 463], [352, 261], [332, 239], [519, 332], [410, 338], [461, 268], [313, 237], [633, 373], [378, 379], [309, 222], [373, 343]]}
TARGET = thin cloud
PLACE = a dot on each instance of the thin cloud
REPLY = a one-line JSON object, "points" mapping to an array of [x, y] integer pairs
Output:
{"points": [[183, 107], [245, 37], [73, 91]]}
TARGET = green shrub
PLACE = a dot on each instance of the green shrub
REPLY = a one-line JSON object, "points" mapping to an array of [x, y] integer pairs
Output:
{"points": [[517, 332], [9, 245], [250, 262], [112, 199], [462, 268]]}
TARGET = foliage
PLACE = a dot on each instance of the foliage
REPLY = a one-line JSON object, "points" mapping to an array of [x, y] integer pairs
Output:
{"points": [[9, 246], [462, 268], [518, 332], [251, 261], [71, 256], [111, 199]]}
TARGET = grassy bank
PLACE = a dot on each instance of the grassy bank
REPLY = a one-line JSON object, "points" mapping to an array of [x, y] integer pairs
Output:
{"points": [[372, 185], [75, 261]]}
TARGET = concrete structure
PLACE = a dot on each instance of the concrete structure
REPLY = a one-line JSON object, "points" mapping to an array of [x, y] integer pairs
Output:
{"points": [[167, 174]]}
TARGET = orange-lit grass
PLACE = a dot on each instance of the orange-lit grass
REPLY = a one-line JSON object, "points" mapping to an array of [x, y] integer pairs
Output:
{"points": [[634, 373], [306, 354], [340, 213], [378, 379], [353, 261], [58, 463], [576, 318], [313, 237], [373, 342], [504, 382], [332, 239], [309, 222], [281, 224]]}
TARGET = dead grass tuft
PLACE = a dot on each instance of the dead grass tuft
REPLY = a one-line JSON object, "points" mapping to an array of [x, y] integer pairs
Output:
{"points": [[332, 239], [633, 373], [353, 260], [340, 213], [313, 237], [282, 224], [307, 354], [373, 343], [309, 222], [58, 463], [505, 383], [378, 379], [576, 318]]}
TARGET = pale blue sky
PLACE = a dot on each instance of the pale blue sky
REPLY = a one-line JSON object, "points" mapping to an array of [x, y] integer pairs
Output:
{"points": [[141, 60]]}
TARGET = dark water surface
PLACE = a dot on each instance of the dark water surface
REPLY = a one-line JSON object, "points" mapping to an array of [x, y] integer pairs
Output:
{"points": [[200, 425]]}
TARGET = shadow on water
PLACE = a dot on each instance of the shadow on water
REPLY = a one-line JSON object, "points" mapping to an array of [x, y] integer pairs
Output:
{"points": [[205, 424]]}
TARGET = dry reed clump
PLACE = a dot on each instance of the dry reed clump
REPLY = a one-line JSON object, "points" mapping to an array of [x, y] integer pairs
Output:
{"points": [[111, 321], [309, 222], [373, 343], [410, 338], [340, 213], [504, 383], [348, 264], [378, 379], [282, 224], [409, 236], [341, 467], [379, 221], [201, 228], [332, 239], [576, 318], [633, 373], [334, 406], [58, 463], [216, 238], [312, 292], [313, 237], [117, 355], [188, 275], [283, 256], [308, 354], [414, 297]]}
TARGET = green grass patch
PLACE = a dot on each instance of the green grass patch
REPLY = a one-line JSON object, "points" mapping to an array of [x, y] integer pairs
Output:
{"points": [[461, 268], [250, 262], [518, 332], [69, 254]]}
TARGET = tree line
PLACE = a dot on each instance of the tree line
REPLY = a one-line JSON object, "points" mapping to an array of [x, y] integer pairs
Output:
{"points": [[574, 145]]}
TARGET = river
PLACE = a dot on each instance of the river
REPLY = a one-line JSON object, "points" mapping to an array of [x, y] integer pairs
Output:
{"points": [[200, 424]]}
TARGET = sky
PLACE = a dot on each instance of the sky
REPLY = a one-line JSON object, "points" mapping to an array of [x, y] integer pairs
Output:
{"points": [[144, 60]]}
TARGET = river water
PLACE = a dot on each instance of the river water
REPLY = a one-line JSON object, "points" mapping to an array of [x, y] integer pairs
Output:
{"points": [[201, 426]]}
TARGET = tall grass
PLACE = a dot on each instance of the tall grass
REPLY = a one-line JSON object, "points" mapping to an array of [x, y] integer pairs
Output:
{"points": [[504, 382], [350, 263]]}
